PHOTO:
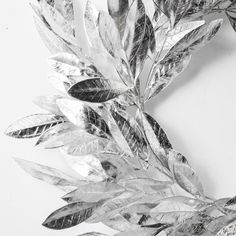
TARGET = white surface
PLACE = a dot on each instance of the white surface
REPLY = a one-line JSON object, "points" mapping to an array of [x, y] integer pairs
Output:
{"points": [[198, 112]]}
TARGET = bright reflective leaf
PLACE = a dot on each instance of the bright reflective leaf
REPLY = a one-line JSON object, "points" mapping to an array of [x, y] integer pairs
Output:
{"points": [[50, 175]]}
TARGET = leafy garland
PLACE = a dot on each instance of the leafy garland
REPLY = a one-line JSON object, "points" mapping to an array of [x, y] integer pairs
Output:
{"points": [[130, 177]]}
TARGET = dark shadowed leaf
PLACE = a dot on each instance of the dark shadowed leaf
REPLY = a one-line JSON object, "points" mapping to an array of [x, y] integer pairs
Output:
{"points": [[97, 90], [231, 204], [231, 14], [139, 37], [70, 215], [156, 137], [50, 175], [84, 117], [34, 125]]}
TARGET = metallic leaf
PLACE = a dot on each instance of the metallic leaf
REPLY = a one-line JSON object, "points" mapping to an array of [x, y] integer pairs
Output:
{"points": [[61, 26], [137, 143], [94, 192], [140, 232], [72, 65], [70, 215], [48, 103], [184, 174], [52, 41], [113, 206], [111, 40], [139, 37], [87, 166], [156, 137], [231, 204], [97, 90], [84, 117], [174, 10], [85, 145], [106, 66], [61, 135], [34, 125], [50, 175], [178, 57], [119, 10]]}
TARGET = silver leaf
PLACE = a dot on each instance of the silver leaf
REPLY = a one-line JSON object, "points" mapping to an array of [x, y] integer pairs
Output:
{"points": [[84, 117], [50, 175], [70, 215], [34, 125], [119, 10], [139, 37], [87, 166], [97, 90], [94, 192], [184, 174]]}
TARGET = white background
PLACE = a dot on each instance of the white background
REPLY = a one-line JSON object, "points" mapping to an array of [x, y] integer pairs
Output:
{"points": [[198, 111]]}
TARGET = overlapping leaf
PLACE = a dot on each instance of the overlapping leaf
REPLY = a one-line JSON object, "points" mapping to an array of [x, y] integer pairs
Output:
{"points": [[94, 192], [178, 57], [139, 37], [34, 125], [84, 117]]}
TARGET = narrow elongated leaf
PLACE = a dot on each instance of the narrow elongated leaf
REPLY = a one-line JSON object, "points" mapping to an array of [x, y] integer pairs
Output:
{"points": [[61, 26], [156, 137], [113, 206], [118, 9], [70, 215], [178, 204], [48, 103], [52, 41], [136, 143], [87, 166], [34, 125], [184, 174], [94, 192], [50, 175], [97, 90], [111, 39], [178, 57], [139, 37], [147, 185], [106, 66], [84, 117]]}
